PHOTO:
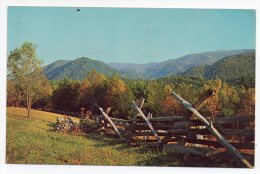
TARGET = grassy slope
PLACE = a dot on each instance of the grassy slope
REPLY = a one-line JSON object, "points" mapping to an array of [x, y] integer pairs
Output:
{"points": [[30, 141]]}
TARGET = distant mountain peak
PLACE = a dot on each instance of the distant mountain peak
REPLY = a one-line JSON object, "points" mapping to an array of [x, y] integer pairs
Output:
{"points": [[78, 68], [83, 58]]}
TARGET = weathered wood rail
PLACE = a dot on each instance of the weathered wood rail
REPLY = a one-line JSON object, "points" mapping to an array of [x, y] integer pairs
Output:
{"points": [[213, 130], [181, 134]]}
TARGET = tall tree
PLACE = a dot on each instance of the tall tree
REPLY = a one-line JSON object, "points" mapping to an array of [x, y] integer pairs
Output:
{"points": [[170, 105], [154, 97], [25, 69], [119, 97], [247, 103], [228, 99], [65, 97], [212, 104], [137, 87], [93, 90]]}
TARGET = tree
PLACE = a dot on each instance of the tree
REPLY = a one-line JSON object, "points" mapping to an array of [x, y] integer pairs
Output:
{"points": [[137, 87], [154, 97], [119, 97], [187, 91], [92, 90], [247, 104], [65, 97], [229, 99], [170, 105], [25, 69], [14, 94], [213, 103]]}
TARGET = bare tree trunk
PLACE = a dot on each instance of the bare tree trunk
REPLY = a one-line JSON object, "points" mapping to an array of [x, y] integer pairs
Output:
{"points": [[30, 105], [28, 101], [29, 111]]}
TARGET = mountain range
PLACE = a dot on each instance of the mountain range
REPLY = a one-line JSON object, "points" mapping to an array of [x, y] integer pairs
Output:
{"points": [[193, 64], [174, 66], [235, 69]]}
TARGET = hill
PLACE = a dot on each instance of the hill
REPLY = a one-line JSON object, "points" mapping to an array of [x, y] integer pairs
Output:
{"points": [[76, 69], [79, 68], [133, 70], [175, 66], [238, 68], [51, 67]]}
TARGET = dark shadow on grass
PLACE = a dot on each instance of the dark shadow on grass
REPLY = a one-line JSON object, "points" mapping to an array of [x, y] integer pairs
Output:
{"points": [[115, 142], [52, 127], [178, 160], [172, 160], [50, 124], [103, 140], [155, 157], [160, 159]]}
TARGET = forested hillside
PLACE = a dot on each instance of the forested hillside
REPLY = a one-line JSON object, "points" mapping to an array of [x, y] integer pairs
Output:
{"points": [[89, 84], [174, 66], [239, 69], [76, 69], [53, 66]]}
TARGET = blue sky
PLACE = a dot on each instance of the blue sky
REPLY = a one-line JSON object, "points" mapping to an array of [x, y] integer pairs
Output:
{"points": [[128, 34]]}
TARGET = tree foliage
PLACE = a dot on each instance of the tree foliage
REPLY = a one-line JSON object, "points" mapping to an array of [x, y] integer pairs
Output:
{"points": [[119, 97], [92, 90], [169, 105], [27, 84], [14, 94], [247, 103], [25, 71], [77, 69], [213, 105], [236, 69], [65, 97]]}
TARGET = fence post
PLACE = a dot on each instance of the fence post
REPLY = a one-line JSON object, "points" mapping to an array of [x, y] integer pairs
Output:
{"points": [[213, 130], [111, 122], [147, 121]]}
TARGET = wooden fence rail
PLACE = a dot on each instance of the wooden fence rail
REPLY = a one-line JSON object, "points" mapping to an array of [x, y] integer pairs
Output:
{"points": [[188, 134], [213, 130]]}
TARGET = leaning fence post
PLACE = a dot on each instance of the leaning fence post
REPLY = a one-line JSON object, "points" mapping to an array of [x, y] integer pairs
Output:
{"points": [[110, 121], [147, 121], [213, 130]]}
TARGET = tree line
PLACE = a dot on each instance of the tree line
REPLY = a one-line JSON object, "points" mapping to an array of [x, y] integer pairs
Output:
{"points": [[28, 87]]}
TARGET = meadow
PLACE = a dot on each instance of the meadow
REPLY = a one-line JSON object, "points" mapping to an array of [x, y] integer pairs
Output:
{"points": [[32, 141]]}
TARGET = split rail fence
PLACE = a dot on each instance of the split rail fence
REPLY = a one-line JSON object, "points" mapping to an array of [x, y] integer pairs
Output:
{"points": [[188, 134]]}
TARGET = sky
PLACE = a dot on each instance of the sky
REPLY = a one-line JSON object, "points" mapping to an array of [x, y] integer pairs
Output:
{"points": [[128, 34]]}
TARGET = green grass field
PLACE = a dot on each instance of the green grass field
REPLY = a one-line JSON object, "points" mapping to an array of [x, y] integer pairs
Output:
{"points": [[31, 141]]}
